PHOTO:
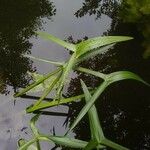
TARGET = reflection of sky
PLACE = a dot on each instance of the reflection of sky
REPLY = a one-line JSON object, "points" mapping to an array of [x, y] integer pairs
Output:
{"points": [[64, 25]]}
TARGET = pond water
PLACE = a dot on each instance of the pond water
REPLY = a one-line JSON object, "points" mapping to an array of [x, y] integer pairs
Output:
{"points": [[124, 108]]}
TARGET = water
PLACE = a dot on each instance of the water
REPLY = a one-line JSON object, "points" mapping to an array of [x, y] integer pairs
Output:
{"points": [[124, 108]]}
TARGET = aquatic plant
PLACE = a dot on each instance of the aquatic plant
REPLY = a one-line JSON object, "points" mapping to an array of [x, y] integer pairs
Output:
{"points": [[56, 80]]}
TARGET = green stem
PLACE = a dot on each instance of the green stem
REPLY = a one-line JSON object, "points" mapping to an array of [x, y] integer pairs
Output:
{"points": [[95, 73], [27, 144], [38, 145], [66, 72], [45, 105], [113, 145]]}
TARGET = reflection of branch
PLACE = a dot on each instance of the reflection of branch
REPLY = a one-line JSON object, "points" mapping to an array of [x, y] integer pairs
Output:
{"points": [[97, 7], [51, 113], [26, 17]]}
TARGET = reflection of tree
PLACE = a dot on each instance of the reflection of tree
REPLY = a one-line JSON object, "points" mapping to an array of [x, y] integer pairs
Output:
{"points": [[138, 13], [98, 7], [18, 22], [123, 107], [129, 11]]}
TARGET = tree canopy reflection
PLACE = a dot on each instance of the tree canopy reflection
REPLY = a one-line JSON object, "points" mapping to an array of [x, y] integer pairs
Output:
{"points": [[18, 22], [97, 7]]}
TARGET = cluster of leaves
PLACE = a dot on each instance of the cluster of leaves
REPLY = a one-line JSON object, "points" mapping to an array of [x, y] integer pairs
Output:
{"points": [[56, 80], [138, 12]]}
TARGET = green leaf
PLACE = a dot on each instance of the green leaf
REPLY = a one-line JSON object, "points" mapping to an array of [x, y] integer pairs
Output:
{"points": [[93, 43], [96, 129], [48, 90], [64, 141], [32, 124], [66, 70], [46, 61], [50, 37], [94, 52], [86, 108], [124, 75], [42, 86], [111, 78], [34, 84]]}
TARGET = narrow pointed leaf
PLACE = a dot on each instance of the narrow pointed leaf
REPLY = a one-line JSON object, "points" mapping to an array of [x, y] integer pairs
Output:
{"points": [[86, 108], [42, 86], [46, 61], [50, 37], [94, 52], [32, 124], [34, 84], [93, 43], [48, 90], [66, 72], [96, 129], [123, 75]]}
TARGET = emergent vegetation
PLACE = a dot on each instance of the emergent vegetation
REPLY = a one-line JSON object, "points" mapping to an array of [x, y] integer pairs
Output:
{"points": [[56, 80]]}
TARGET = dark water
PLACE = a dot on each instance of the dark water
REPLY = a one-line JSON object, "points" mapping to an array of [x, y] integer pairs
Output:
{"points": [[124, 108]]}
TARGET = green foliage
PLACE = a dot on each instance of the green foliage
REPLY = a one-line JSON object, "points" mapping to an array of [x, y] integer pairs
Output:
{"points": [[57, 79], [138, 12]]}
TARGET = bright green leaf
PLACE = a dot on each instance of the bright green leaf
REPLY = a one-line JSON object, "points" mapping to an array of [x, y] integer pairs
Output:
{"points": [[123, 75], [94, 52], [86, 108], [34, 84], [93, 43], [96, 129]]}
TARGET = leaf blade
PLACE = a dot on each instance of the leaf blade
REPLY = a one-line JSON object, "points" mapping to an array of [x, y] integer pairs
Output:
{"points": [[23, 91], [96, 42], [94, 52], [50, 37], [86, 108], [96, 129], [124, 75]]}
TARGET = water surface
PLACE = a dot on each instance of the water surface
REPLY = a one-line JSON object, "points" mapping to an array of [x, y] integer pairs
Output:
{"points": [[124, 108]]}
